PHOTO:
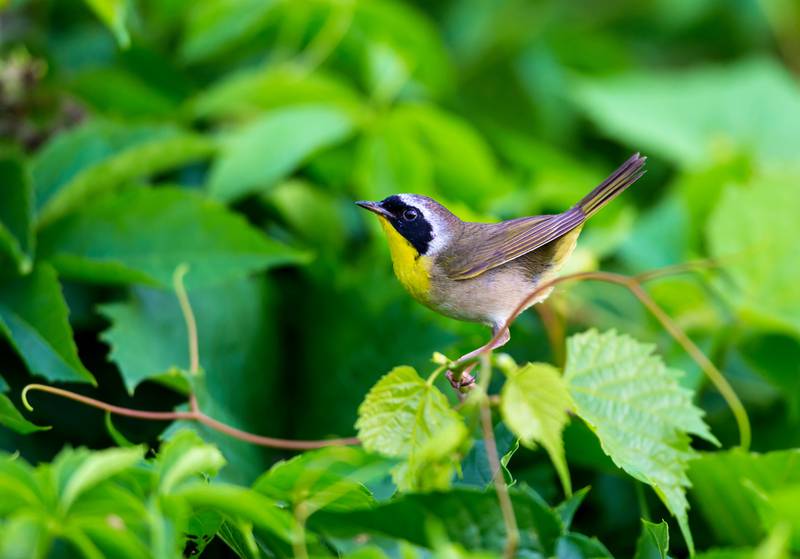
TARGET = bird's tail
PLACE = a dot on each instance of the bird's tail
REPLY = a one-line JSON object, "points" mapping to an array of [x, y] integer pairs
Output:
{"points": [[627, 174]]}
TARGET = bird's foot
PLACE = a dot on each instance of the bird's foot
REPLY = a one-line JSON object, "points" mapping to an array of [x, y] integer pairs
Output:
{"points": [[463, 382]]}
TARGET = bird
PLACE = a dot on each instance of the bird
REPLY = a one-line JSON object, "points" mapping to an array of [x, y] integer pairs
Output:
{"points": [[482, 272]]}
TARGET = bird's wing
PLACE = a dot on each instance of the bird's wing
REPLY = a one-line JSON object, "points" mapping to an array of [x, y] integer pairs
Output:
{"points": [[505, 241], [502, 242]]}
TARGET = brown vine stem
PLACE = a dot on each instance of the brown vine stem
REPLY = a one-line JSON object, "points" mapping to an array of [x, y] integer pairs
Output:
{"points": [[194, 413], [500, 487], [634, 285], [200, 417]]}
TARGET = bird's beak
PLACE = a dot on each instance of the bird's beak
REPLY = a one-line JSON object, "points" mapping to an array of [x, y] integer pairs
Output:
{"points": [[375, 208]]}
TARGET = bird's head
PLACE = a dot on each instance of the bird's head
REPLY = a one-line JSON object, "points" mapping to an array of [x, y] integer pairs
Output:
{"points": [[422, 221]]}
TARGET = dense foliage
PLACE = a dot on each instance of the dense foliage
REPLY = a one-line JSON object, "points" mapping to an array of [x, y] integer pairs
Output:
{"points": [[148, 144]]}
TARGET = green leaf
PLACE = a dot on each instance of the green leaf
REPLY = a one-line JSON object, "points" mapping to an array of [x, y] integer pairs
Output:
{"points": [[216, 26], [114, 14], [24, 536], [401, 417], [653, 543], [34, 317], [470, 517], [16, 210], [11, 417], [463, 165], [695, 116], [186, 456], [475, 470], [242, 503], [261, 153], [640, 413], [248, 93], [82, 470], [578, 546], [330, 478], [77, 166], [751, 233], [721, 483], [113, 240], [534, 404]]}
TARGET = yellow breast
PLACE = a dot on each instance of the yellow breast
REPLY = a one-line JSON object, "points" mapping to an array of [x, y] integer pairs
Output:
{"points": [[411, 268]]}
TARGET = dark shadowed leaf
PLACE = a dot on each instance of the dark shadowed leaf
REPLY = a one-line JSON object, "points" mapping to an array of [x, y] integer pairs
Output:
{"points": [[653, 542], [470, 517], [16, 210], [113, 240], [34, 317]]}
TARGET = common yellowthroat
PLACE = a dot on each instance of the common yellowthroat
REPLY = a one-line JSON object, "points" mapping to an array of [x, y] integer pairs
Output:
{"points": [[481, 272]]}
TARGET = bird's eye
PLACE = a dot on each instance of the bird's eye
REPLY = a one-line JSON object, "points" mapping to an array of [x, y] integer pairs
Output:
{"points": [[410, 215]]}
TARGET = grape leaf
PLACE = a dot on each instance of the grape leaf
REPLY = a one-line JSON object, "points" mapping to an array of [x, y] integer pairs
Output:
{"points": [[34, 317], [752, 233], [266, 150], [16, 210], [640, 413], [403, 416], [534, 403], [113, 240]]}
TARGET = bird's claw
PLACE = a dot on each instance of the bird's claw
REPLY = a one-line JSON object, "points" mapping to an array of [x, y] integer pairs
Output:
{"points": [[462, 382]]}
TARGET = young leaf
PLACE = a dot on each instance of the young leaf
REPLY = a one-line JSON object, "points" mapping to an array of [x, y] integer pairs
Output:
{"points": [[534, 403], [11, 417], [114, 14], [640, 413], [721, 487], [77, 166], [241, 503], [81, 470], [261, 153], [33, 316], [401, 415], [16, 210], [113, 240], [653, 543], [752, 233], [186, 456], [330, 478]]}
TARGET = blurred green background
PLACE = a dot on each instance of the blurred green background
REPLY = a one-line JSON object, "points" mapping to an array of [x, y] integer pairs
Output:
{"points": [[135, 122]]}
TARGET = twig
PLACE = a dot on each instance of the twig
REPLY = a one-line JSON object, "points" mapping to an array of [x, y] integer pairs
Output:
{"points": [[188, 317], [198, 416], [503, 498], [634, 286], [194, 413]]}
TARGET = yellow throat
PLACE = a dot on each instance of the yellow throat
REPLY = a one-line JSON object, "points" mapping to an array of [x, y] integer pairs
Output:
{"points": [[411, 268]]}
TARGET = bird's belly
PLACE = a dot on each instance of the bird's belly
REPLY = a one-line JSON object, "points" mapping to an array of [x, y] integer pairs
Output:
{"points": [[490, 298]]}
